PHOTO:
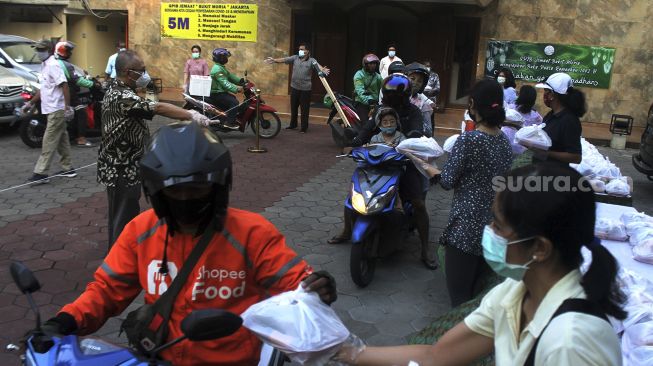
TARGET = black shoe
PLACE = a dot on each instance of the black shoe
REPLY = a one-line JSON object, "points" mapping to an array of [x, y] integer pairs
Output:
{"points": [[38, 179], [72, 173], [291, 128]]}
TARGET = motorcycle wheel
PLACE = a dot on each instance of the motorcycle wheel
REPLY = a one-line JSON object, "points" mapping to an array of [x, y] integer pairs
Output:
{"points": [[270, 124], [361, 263], [32, 131]]}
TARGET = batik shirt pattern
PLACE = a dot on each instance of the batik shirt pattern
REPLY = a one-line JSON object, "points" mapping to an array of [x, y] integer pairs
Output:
{"points": [[124, 134]]}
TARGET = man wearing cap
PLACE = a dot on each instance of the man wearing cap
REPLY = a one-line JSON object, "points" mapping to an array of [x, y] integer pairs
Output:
{"points": [[562, 122], [54, 96]]}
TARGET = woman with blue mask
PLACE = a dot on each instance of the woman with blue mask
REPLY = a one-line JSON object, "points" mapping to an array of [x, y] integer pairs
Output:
{"points": [[546, 312], [195, 65]]}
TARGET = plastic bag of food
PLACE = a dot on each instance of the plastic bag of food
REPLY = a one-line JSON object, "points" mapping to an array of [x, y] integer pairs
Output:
{"points": [[533, 136], [627, 218], [449, 142], [610, 229], [618, 187], [299, 324], [637, 344], [643, 252], [425, 148]]}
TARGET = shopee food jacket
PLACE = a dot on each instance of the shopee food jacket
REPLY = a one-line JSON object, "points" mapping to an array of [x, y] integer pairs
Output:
{"points": [[245, 263]]}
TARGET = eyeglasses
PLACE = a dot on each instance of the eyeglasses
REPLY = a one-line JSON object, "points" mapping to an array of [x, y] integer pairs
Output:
{"points": [[140, 73]]}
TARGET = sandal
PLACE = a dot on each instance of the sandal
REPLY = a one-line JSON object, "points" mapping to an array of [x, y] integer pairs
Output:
{"points": [[337, 240]]}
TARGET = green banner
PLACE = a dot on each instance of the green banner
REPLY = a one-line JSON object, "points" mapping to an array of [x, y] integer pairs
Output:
{"points": [[588, 66]]}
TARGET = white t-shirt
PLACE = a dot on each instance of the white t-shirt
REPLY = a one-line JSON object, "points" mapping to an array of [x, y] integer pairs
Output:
{"points": [[111, 66], [51, 78], [571, 339], [385, 63]]}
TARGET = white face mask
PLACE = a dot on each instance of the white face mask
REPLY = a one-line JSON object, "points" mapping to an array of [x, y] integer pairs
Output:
{"points": [[501, 80], [301, 53], [391, 53]]}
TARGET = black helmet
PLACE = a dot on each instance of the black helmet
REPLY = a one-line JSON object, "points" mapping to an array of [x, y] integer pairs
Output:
{"points": [[416, 67], [221, 55], [396, 67], [396, 90], [184, 153]]}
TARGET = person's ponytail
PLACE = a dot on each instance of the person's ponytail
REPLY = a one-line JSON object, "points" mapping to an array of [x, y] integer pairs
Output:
{"points": [[600, 282], [574, 101]]}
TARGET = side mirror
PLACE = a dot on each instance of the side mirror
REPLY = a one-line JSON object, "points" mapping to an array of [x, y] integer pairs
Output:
{"points": [[206, 324], [24, 278]]}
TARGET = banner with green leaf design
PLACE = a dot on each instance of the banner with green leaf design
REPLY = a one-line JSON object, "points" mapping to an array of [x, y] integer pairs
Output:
{"points": [[588, 66]]}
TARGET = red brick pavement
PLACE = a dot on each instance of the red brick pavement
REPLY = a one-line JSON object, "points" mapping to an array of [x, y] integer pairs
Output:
{"points": [[65, 245]]}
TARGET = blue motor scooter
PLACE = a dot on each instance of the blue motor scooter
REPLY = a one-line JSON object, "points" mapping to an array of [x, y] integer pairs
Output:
{"points": [[49, 350], [377, 227]]}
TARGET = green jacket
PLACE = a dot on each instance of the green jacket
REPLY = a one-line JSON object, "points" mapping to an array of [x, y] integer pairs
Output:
{"points": [[222, 81], [367, 86]]}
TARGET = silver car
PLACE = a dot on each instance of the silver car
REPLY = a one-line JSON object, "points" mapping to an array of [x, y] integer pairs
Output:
{"points": [[11, 88], [17, 54]]}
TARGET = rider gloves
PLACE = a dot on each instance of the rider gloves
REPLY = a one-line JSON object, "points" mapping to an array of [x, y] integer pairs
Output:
{"points": [[62, 324]]}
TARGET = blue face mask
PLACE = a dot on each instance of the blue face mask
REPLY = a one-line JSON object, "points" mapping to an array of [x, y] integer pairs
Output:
{"points": [[388, 130], [495, 248], [392, 53], [301, 53]]}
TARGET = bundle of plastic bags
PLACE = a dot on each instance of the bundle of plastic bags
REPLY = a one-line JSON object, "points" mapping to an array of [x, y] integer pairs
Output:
{"points": [[423, 148], [610, 229], [594, 164], [643, 252], [533, 136], [299, 324]]}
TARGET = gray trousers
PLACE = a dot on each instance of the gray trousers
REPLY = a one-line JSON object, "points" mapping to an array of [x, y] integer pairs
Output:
{"points": [[55, 139], [123, 207]]}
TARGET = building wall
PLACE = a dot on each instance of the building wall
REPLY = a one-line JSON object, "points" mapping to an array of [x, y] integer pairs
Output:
{"points": [[33, 31], [94, 46], [165, 57], [624, 25]]}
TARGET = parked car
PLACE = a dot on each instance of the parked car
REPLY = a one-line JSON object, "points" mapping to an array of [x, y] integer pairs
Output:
{"points": [[643, 161], [12, 89], [17, 54]]}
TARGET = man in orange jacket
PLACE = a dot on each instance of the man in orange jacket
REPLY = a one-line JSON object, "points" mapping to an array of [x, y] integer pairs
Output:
{"points": [[186, 175]]}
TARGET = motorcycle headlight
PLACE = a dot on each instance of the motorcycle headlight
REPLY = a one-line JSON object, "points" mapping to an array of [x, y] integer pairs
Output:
{"points": [[358, 202], [379, 202]]}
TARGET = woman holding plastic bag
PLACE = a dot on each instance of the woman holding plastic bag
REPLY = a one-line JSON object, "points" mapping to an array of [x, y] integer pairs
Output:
{"points": [[546, 312], [562, 122], [477, 157]]}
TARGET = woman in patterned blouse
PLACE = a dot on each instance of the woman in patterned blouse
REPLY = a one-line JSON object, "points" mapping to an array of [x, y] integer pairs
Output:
{"points": [[477, 157]]}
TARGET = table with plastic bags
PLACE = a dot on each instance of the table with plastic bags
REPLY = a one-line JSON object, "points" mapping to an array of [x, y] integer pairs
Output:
{"points": [[635, 277]]}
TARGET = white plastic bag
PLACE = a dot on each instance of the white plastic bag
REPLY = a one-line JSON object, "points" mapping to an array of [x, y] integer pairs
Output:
{"points": [[610, 229], [637, 344], [424, 148], [449, 142], [643, 252], [618, 187], [533, 136], [597, 185], [627, 218], [299, 324]]}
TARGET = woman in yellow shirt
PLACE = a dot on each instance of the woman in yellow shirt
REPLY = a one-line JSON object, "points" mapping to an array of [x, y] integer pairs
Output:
{"points": [[546, 312]]}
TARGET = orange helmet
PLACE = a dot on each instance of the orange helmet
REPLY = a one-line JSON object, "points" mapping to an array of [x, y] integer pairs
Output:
{"points": [[64, 49]]}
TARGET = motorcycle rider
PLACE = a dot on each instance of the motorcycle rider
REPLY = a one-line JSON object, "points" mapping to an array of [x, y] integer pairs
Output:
{"points": [[396, 94], [187, 176], [223, 84], [63, 51], [419, 75], [367, 85]]}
